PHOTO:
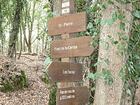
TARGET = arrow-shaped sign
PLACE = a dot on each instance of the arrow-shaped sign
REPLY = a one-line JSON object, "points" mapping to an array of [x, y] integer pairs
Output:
{"points": [[65, 72], [74, 47], [67, 24]]}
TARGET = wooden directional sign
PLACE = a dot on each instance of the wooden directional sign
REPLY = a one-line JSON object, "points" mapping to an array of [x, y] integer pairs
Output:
{"points": [[67, 24], [72, 96], [67, 6], [72, 47], [65, 72]]}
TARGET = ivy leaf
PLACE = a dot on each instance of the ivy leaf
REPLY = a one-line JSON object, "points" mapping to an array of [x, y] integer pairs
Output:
{"points": [[46, 6], [120, 16], [48, 61], [115, 42], [114, 17], [122, 26], [94, 76], [128, 92], [90, 25], [107, 22], [107, 77], [136, 14]]}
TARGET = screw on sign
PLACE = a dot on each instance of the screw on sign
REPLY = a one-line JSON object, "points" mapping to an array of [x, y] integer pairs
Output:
{"points": [[66, 24], [65, 72], [73, 47], [72, 96]]}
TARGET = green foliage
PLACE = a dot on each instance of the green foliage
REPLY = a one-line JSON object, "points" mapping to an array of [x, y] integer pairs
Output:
{"points": [[130, 73], [80, 5], [127, 1], [7, 86], [52, 96], [48, 61], [105, 75], [15, 83], [136, 14], [94, 76], [52, 89], [116, 15], [45, 78], [47, 8]]}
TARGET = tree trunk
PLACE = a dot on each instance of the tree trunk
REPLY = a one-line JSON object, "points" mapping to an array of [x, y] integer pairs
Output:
{"points": [[1, 29], [30, 28], [20, 43], [23, 27], [112, 55], [15, 29]]}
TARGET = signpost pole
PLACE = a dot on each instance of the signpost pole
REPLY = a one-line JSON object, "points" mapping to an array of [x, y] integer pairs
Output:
{"points": [[65, 36], [68, 92], [66, 84]]}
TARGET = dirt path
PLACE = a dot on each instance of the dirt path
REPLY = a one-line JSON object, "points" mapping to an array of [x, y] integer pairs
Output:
{"points": [[37, 93]]}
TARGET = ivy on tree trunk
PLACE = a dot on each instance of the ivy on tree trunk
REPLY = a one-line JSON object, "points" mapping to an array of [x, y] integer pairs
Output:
{"points": [[15, 29]]}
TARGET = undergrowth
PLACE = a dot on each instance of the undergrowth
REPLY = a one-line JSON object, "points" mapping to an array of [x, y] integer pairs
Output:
{"points": [[15, 83]]}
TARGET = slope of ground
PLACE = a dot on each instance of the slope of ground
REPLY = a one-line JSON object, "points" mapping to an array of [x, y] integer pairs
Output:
{"points": [[37, 92]]}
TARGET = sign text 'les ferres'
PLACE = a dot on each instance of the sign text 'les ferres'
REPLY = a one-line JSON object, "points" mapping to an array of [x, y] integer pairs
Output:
{"points": [[65, 72], [73, 47], [66, 24], [72, 96]]}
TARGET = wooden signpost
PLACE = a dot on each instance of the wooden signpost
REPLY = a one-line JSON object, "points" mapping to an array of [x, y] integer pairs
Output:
{"points": [[73, 96], [65, 72], [67, 24], [73, 47]]}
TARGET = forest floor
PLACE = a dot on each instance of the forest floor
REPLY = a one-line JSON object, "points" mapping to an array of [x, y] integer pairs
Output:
{"points": [[37, 93]]}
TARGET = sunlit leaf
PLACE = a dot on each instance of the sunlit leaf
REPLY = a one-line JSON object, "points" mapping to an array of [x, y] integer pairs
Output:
{"points": [[136, 14]]}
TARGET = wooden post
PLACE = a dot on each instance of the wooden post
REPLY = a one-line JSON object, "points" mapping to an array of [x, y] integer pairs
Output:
{"points": [[70, 9], [63, 26], [59, 9]]}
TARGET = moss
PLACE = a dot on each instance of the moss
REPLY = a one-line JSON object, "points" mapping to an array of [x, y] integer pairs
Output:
{"points": [[14, 83]]}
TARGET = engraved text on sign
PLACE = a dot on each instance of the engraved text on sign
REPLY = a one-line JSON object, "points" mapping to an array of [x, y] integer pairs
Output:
{"points": [[67, 24], [74, 47], [65, 72], [73, 96]]}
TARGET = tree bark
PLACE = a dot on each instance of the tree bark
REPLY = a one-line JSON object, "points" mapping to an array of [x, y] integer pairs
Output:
{"points": [[15, 29], [20, 52], [30, 28], [110, 58], [1, 28]]}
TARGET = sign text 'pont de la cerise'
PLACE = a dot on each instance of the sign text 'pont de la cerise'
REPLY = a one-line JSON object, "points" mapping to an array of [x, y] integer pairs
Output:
{"points": [[73, 47]]}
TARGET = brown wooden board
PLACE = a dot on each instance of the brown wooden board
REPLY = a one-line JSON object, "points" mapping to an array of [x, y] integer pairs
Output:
{"points": [[65, 72], [66, 24], [72, 96], [73, 47]]}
